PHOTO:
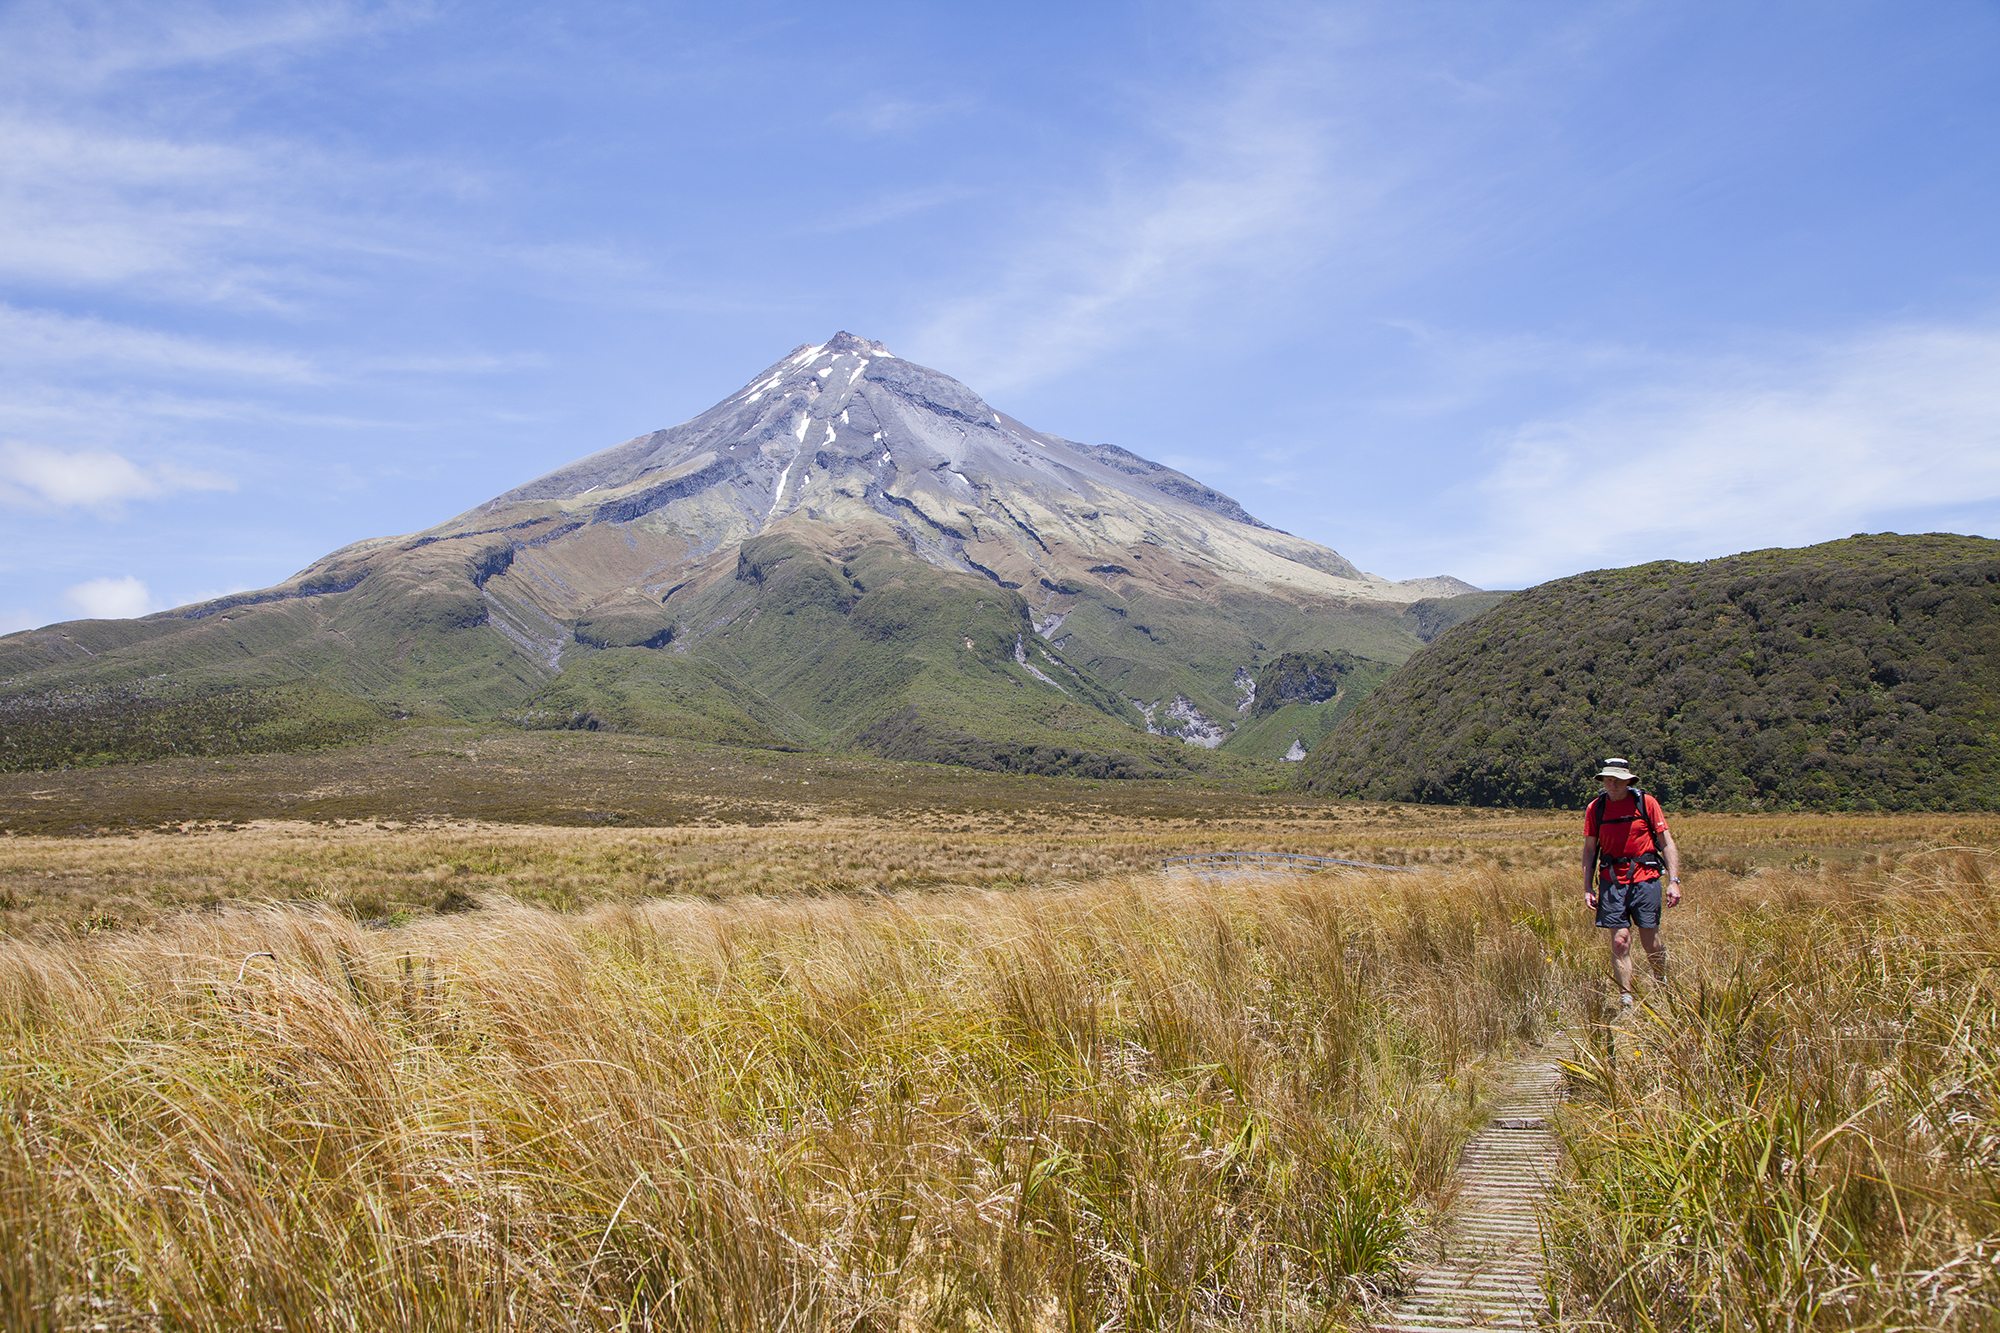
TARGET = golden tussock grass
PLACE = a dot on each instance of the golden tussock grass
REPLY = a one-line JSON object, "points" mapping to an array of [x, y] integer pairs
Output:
{"points": [[1151, 1103], [1025, 1098], [1803, 1130]]}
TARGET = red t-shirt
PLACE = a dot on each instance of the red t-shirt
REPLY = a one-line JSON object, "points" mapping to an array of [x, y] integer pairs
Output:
{"points": [[1620, 832]]}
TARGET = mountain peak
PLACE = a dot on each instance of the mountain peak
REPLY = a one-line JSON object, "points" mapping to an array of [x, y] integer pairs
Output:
{"points": [[854, 342], [855, 439]]}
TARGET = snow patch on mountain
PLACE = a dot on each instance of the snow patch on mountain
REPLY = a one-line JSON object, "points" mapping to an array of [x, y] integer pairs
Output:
{"points": [[778, 491]]}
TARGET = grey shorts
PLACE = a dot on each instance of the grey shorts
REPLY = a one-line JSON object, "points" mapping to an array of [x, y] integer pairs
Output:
{"points": [[1634, 904]]}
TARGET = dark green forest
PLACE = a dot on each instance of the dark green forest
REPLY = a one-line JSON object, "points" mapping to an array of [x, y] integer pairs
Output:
{"points": [[1860, 674]]}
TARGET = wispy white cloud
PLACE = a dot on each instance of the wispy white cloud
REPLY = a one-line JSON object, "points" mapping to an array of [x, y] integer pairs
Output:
{"points": [[36, 146], [1453, 370], [91, 398], [1785, 447], [227, 218], [169, 197], [1248, 188], [130, 169], [90, 353], [119, 412], [111, 598], [94, 209], [36, 476], [45, 338], [1316, 157], [72, 44]]}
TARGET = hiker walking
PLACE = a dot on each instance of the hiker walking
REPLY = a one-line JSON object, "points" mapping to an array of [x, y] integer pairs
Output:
{"points": [[1626, 846]]}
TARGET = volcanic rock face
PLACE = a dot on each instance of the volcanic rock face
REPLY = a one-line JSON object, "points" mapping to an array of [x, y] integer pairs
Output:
{"points": [[847, 435], [739, 549]]}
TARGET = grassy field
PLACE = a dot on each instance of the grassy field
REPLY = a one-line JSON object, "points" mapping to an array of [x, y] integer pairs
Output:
{"points": [[426, 773], [895, 1056]]}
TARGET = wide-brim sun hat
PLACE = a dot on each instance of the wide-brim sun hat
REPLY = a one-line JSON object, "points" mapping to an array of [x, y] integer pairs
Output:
{"points": [[1617, 768]]}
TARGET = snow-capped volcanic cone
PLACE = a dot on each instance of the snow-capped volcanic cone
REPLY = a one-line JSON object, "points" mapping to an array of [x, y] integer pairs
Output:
{"points": [[846, 433], [641, 584]]}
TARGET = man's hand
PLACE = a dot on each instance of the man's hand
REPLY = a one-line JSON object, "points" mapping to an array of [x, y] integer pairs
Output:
{"points": [[1590, 897], [1673, 894]]}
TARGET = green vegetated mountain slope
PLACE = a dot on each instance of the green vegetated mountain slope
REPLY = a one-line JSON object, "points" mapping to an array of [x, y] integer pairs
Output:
{"points": [[1857, 674], [852, 551], [328, 657], [1300, 696], [1296, 698]]}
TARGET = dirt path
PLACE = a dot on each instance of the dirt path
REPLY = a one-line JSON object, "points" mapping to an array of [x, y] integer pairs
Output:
{"points": [[1491, 1273]]}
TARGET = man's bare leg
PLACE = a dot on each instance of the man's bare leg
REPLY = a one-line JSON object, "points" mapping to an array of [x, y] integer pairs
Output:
{"points": [[1656, 953], [1621, 958]]}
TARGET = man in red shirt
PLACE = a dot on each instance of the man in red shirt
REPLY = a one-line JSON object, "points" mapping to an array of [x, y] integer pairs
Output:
{"points": [[1626, 845]]}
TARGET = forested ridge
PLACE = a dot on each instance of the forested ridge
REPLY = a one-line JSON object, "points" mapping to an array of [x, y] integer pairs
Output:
{"points": [[1858, 674]]}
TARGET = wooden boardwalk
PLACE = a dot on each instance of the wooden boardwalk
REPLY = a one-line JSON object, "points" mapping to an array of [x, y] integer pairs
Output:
{"points": [[1491, 1273]]}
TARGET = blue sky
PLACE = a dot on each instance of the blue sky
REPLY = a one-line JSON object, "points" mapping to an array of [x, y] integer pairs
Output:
{"points": [[1499, 290]]}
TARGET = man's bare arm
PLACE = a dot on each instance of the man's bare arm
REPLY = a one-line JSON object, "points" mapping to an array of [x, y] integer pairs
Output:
{"points": [[1673, 854], [1590, 871]]}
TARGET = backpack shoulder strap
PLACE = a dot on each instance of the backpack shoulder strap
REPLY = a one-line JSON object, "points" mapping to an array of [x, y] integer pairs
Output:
{"points": [[1639, 801]]}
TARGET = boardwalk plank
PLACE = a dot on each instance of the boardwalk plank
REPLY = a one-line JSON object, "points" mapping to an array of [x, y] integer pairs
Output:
{"points": [[1491, 1274]]}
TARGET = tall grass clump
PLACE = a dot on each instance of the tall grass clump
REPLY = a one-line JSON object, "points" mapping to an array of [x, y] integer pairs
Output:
{"points": [[1803, 1131], [1135, 1104]]}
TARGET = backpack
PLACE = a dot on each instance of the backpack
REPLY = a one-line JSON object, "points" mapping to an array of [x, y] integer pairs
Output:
{"points": [[1651, 860]]}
